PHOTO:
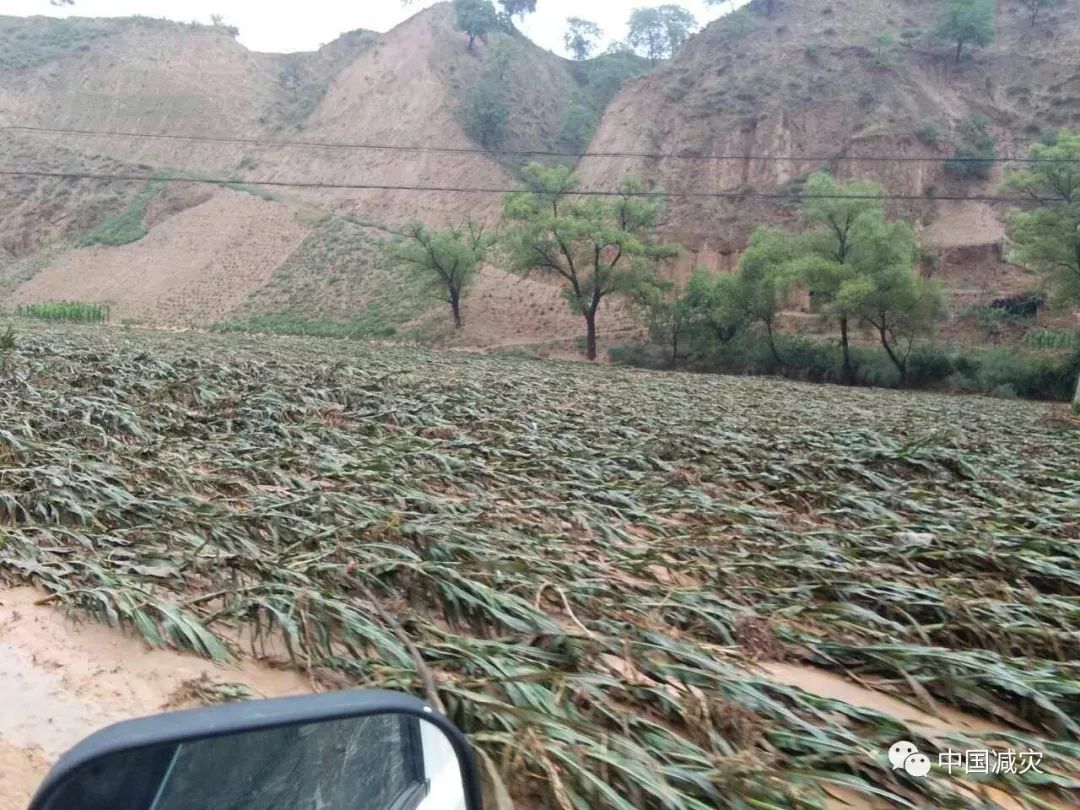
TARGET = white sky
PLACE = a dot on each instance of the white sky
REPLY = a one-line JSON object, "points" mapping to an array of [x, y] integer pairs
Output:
{"points": [[300, 25]]}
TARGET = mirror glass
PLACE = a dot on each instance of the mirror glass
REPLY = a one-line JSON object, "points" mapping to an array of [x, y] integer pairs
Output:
{"points": [[379, 762]]}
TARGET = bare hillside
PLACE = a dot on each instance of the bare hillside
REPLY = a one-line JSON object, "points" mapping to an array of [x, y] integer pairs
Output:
{"points": [[835, 79], [180, 252]]}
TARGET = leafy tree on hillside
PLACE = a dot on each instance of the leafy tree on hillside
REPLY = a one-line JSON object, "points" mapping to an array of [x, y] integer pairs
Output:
{"points": [[598, 247], [581, 37], [1047, 237], [475, 18], [485, 113], [446, 259], [518, 8], [1034, 7], [966, 22], [660, 31]]}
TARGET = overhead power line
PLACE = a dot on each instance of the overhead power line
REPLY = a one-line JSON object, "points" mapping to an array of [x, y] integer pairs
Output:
{"points": [[719, 195], [468, 150]]}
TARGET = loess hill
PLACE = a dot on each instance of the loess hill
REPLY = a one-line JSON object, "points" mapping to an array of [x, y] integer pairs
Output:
{"points": [[825, 79]]}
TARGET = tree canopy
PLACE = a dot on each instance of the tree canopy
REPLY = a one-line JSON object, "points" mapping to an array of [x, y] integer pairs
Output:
{"points": [[597, 247], [1034, 7], [1047, 236], [518, 8], [475, 18], [581, 37], [859, 267], [965, 22], [446, 259], [659, 31]]}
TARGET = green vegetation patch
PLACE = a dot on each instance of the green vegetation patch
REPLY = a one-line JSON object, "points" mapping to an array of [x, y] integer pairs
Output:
{"points": [[127, 226], [514, 97], [336, 284], [78, 311], [586, 560]]}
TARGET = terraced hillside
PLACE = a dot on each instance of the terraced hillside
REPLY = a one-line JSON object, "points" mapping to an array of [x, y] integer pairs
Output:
{"points": [[632, 590]]}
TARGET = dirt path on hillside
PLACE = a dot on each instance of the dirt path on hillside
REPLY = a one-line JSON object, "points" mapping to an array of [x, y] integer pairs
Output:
{"points": [[61, 680]]}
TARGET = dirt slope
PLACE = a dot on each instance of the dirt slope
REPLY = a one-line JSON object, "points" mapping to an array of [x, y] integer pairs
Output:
{"points": [[195, 267], [210, 254], [812, 80]]}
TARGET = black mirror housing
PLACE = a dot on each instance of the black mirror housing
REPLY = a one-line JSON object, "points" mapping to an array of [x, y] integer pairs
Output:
{"points": [[173, 759]]}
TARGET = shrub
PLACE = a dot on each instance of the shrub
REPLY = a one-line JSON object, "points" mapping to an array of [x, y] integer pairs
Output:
{"points": [[998, 372], [578, 127], [930, 134], [1031, 376], [929, 365], [485, 114], [968, 163], [974, 161], [874, 369], [808, 359], [640, 355]]}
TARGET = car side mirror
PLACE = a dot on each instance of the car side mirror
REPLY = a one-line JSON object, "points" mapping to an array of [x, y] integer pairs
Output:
{"points": [[372, 749]]}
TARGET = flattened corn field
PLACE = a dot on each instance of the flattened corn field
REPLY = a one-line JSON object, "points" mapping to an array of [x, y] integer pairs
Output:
{"points": [[583, 563]]}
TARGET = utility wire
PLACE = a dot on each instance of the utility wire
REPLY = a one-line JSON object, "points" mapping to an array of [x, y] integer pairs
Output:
{"points": [[463, 150], [720, 195]]}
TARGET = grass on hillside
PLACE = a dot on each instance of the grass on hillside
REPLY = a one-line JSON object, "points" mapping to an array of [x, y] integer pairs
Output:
{"points": [[127, 226], [339, 270], [31, 42], [584, 561]]}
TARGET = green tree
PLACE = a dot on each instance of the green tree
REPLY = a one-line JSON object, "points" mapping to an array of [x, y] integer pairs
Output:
{"points": [[475, 18], [885, 291], [966, 22], [518, 8], [598, 247], [1034, 7], [670, 313], [581, 37], [825, 264], [658, 32], [1047, 236], [755, 292], [446, 259], [485, 113]]}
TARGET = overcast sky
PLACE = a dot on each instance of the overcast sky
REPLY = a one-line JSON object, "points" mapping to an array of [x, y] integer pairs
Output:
{"points": [[301, 25]]}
